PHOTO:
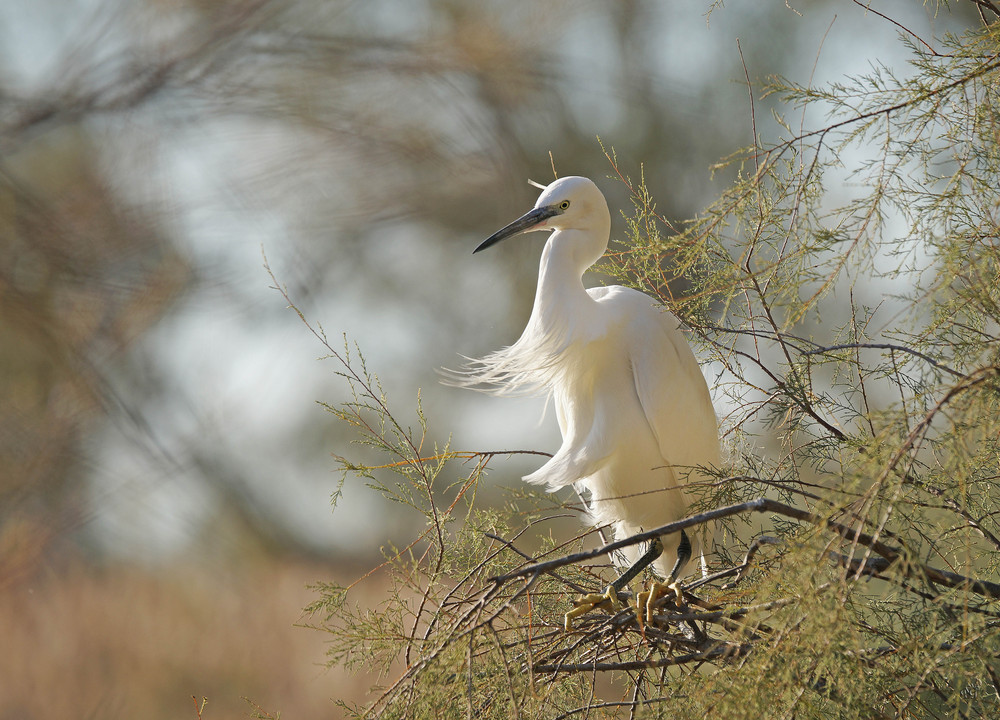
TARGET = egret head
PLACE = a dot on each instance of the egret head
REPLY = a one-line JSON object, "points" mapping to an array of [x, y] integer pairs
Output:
{"points": [[569, 203]]}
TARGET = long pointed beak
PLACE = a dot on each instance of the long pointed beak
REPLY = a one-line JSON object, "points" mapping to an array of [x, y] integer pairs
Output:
{"points": [[530, 220]]}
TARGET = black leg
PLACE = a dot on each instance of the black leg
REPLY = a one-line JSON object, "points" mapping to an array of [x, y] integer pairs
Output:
{"points": [[654, 551], [646, 601], [683, 555], [586, 603]]}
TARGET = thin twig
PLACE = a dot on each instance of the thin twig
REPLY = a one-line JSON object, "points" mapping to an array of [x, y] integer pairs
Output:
{"points": [[725, 651], [744, 567], [884, 346]]}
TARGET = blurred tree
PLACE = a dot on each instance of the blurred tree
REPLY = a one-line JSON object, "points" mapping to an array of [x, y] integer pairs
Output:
{"points": [[84, 278], [135, 137]]}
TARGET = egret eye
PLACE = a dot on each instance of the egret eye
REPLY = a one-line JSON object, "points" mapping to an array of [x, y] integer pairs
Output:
{"points": [[564, 205]]}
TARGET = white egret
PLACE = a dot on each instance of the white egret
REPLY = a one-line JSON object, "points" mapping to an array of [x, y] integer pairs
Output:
{"points": [[636, 417]]}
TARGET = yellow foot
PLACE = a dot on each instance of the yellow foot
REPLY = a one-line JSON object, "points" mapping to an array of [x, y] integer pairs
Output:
{"points": [[645, 601], [585, 603]]}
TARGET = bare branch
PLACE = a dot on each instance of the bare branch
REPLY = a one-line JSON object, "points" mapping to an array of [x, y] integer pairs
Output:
{"points": [[766, 505], [723, 652]]}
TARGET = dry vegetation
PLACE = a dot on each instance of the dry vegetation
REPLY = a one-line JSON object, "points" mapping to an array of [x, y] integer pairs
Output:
{"points": [[125, 641]]}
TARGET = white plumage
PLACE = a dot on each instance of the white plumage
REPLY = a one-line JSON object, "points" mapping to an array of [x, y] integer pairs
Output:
{"points": [[634, 410]]}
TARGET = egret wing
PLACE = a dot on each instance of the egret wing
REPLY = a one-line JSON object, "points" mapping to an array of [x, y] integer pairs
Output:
{"points": [[673, 392]]}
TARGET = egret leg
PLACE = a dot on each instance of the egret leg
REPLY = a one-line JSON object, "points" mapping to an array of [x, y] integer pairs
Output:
{"points": [[585, 603], [647, 600]]}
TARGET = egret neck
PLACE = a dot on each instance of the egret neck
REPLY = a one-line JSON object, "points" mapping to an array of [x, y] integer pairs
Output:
{"points": [[561, 300]]}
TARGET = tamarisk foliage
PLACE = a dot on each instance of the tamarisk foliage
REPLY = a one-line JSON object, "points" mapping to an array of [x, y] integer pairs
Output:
{"points": [[845, 289]]}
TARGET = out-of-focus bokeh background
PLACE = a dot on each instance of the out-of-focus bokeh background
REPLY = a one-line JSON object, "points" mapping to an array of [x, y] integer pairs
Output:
{"points": [[165, 469]]}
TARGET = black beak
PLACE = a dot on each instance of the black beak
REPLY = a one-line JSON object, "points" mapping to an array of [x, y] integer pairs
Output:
{"points": [[530, 219]]}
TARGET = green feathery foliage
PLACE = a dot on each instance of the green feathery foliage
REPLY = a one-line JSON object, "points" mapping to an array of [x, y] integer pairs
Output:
{"points": [[845, 293]]}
